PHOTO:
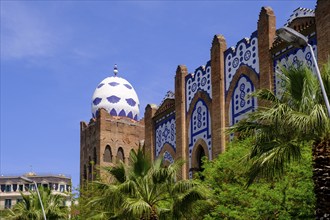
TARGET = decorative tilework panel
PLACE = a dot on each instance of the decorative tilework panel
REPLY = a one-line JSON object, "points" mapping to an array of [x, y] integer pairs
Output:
{"points": [[199, 81], [200, 128], [293, 56], [169, 95], [245, 53], [300, 13], [165, 133], [168, 157], [241, 103]]}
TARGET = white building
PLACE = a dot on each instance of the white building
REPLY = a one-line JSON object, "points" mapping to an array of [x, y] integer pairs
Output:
{"points": [[11, 186]]}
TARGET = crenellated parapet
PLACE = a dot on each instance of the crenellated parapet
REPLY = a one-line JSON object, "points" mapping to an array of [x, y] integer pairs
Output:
{"points": [[200, 80], [300, 13], [244, 53]]}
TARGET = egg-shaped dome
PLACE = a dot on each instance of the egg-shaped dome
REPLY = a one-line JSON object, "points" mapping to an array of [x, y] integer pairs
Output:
{"points": [[117, 96]]}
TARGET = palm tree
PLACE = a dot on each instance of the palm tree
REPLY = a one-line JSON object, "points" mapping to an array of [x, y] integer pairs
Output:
{"points": [[30, 208], [144, 190], [298, 116]]}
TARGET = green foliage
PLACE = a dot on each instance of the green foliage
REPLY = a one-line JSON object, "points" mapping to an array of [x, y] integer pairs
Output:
{"points": [[290, 198], [4, 213], [297, 117], [30, 207], [143, 190]]}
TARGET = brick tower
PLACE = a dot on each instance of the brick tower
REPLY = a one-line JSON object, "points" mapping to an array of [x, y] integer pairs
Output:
{"points": [[113, 130]]}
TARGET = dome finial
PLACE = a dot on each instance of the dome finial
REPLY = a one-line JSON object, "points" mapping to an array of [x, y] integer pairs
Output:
{"points": [[115, 70]]}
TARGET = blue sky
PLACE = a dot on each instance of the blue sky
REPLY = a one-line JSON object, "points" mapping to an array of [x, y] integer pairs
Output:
{"points": [[54, 54]]}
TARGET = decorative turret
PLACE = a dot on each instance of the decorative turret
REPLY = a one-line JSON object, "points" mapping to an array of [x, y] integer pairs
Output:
{"points": [[117, 96]]}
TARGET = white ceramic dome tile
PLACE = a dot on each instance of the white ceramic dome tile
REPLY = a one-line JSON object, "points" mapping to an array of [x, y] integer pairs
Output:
{"points": [[117, 96]]}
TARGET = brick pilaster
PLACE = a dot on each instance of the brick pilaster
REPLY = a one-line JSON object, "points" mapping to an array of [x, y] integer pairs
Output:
{"points": [[180, 117], [322, 18], [218, 94], [149, 139], [266, 35]]}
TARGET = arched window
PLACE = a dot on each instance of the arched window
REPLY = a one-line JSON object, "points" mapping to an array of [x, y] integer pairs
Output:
{"points": [[120, 154], [200, 153], [107, 156], [94, 156]]}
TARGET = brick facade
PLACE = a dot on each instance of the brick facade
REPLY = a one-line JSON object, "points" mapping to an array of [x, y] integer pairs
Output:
{"points": [[191, 124], [322, 18], [105, 132]]}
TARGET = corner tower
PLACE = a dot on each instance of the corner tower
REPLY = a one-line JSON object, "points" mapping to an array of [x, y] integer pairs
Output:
{"points": [[114, 129]]}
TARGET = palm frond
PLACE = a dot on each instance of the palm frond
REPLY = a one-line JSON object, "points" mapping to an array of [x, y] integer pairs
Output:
{"points": [[30, 207], [271, 163], [184, 202], [137, 207], [298, 115], [118, 171], [326, 78], [267, 95], [164, 213], [183, 186], [143, 190], [140, 163], [128, 187]]}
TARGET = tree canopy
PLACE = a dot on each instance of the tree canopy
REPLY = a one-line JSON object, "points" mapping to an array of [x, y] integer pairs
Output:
{"points": [[297, 117], [290, 198], [144, 190], [30, 208]]}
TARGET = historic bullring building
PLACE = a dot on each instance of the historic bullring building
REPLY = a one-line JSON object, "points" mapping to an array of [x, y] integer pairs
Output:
{"points": [[190, 122]]}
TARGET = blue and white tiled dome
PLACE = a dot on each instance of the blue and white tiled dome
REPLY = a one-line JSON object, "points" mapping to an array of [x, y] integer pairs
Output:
{"points": [[117, 96]]}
